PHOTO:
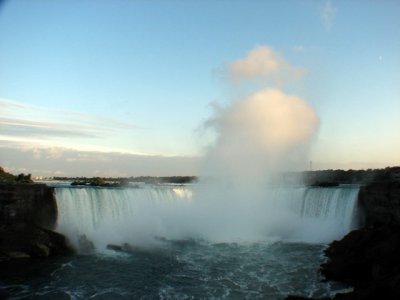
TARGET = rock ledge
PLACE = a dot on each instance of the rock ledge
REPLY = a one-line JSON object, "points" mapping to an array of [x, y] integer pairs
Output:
{"points": [[28, 215]]}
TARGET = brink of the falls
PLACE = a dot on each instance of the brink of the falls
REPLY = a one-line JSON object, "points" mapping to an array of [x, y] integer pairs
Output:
{"points": [[142, 215]]}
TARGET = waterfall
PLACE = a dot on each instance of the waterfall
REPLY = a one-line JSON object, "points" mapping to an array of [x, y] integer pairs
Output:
{"points": [[138, 215]]}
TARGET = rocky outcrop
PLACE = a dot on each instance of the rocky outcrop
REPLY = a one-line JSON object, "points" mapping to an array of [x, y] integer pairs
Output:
{"points": [[28, 214], [30, 241], [368, 258], [28, 204], [380, 202]]}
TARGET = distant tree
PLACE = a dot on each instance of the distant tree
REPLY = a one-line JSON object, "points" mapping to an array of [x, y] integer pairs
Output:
{"points": [[22, 178], [6, 178], [97, 181]]}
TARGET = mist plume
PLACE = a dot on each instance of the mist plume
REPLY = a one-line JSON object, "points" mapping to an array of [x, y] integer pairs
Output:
{"points": [[264, 131], [263, 64], [261, 133]]}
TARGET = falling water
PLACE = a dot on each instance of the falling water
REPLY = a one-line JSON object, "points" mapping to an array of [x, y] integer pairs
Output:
{"points": [[142, 215], [191, 242]]}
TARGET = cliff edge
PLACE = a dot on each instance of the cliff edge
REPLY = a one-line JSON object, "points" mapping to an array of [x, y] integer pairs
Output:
{"points": [[368, 258], [28, 215]]}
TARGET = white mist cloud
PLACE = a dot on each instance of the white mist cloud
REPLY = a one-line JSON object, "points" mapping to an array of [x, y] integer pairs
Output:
{"points": [[260, 132], [262, 64], [265, 131], [328, 15], [271, 119]]}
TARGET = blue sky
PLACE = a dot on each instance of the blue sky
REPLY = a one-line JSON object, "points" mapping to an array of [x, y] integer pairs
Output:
{"points": [[117, 78]]}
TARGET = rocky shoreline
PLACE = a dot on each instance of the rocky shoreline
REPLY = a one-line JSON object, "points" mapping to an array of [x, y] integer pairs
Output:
{"points": [[368, 258]]}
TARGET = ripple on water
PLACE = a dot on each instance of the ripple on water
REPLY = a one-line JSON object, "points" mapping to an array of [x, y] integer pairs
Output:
{"points": [[175, 270]]}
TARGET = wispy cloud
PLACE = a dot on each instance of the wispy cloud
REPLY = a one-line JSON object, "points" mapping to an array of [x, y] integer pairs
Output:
{"points": [[20, 127], [20, 122], [299, 48], [328, 15]]}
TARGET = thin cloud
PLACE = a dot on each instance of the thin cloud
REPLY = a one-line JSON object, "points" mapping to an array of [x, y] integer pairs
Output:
{"points": [[7, 103], [19, 127], [103, 121], [299, 48], [46, 153], [41, 161], [43, 126], [328, 15]]}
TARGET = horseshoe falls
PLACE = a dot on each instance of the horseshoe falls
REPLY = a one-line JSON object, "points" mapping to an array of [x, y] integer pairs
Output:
{"points": [[142, 216], [191, 242]]}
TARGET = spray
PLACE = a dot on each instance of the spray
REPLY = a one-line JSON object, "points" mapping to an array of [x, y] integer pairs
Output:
{"points": [[258, 134]]}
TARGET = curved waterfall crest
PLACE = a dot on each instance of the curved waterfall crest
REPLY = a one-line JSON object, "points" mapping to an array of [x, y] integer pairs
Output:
{"points": [[138, 215]]}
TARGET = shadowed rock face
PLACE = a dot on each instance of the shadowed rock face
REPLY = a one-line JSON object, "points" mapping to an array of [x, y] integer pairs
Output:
{"points": [[28, 204], [28, 213], [26, 241], [381, 203], [364, 255], [369, 258]]}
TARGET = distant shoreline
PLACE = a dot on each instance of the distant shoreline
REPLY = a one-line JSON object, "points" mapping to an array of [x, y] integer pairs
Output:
{"points": [[323, 178]]}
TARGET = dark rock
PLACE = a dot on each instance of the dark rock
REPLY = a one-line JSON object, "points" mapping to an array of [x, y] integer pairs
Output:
{"points": [[381, 203], [125, 247], [58, 243], [16, 254], [115, 247], [28, 213], [326, 184], [30, 204], [33, 241], [85, 245], [369, 258], [364, 255], [40, 250]]}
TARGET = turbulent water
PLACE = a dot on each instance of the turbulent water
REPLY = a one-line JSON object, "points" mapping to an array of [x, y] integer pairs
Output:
{"points": [[176, 248]]}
